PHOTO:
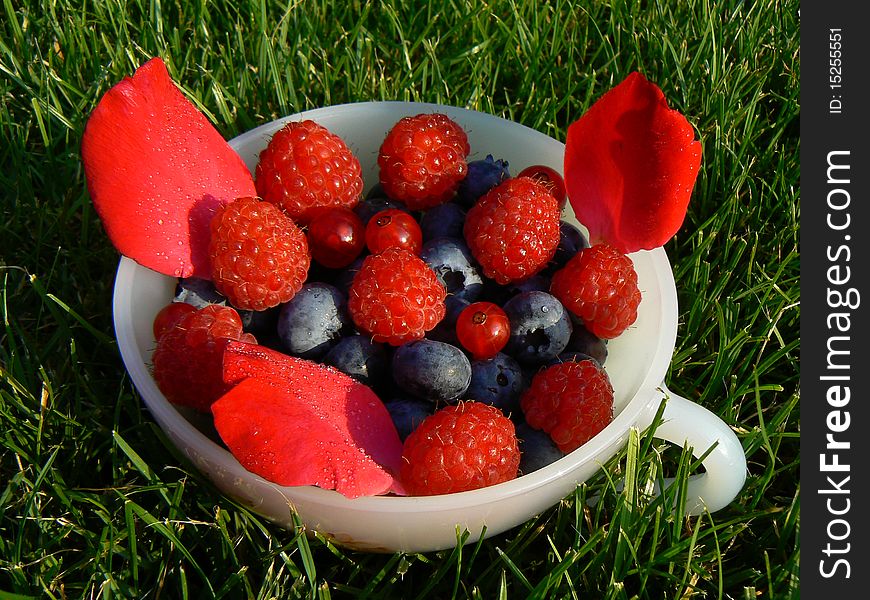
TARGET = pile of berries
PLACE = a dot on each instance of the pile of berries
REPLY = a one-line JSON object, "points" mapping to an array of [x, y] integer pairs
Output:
{"points": [[452, 289]]}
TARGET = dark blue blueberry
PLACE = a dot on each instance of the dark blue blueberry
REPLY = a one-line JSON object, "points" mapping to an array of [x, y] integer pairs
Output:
{"points": [[344, 278], [364, 360], [537, 449], [261, 323], [454, 265], [585, 342], [571, 241], [540, 327], [319, 273], [495, 292], [483, 175], [198, 292], [529, 372], [313, 321], [408, 413], [375, 203], [497, 381], [535, 283], [431, 370], [445, 330], [444, 220]]}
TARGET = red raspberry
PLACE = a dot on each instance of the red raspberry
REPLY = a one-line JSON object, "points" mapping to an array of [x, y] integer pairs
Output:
{"points": [[259, 257], [187, 363], [422, 160], [306, 166], [571, 401], [168, 316], [599, 285], [513, 230], [395, 297], [462, 447]]}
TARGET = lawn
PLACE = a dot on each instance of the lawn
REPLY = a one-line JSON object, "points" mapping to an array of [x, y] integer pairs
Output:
{"points": [[94, 501]]}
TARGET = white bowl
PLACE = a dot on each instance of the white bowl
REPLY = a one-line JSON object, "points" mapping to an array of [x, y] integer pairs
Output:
{"points": [[637, 363]]}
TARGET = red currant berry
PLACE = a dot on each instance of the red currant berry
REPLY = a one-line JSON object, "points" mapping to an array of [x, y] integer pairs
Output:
{"points": [[168, 316], [483, 329], [393, 228], [550, 178], [336, 236]]}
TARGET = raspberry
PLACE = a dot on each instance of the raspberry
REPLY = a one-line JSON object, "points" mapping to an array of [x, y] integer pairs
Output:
{"points": [[571, 401], [422, 160], [513, 230], [259, 257], [599, 285], [395, 297], [187, 363], [168, 316], [306, 166], [462, 447]]}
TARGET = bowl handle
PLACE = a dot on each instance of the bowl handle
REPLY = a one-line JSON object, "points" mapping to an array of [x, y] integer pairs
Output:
{"points": [[687, 423]]}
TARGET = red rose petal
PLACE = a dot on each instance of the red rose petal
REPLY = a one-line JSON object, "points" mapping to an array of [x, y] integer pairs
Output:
{"points": [[276, 432], [630, 166], [351, 410], [156, 171]]}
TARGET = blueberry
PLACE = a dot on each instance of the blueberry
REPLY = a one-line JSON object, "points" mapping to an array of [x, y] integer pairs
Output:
{"points": [[364, 360], [537, 449], [374, 203], [198, 292], [445, 330], [454, 265], [431, 370], [408, 413], [321, 274], [444, 220], [535, 283], [540, 327], [583, 341], [344, 278], [500, 294], [483, 175], [261, 323], [497, 381], [313, 321], [529, 372], [571, 241]]}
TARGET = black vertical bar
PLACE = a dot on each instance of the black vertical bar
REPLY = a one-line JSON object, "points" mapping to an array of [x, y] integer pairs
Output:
{"points": [[835, 237]]}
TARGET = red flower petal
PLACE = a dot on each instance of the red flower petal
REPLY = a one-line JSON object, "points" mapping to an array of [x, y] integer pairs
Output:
{"points": [[630, 166], [273, 432], [156, 171], [304, 423]]}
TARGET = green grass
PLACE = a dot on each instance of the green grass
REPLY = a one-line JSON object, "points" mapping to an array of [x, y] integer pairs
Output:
{"points": [[94, 502]]}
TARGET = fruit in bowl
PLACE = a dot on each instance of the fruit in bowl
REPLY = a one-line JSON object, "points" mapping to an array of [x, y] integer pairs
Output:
{"points": [[297, 435]]}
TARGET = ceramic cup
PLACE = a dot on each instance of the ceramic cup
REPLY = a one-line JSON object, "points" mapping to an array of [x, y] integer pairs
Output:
{"points": [[637, 363]]}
